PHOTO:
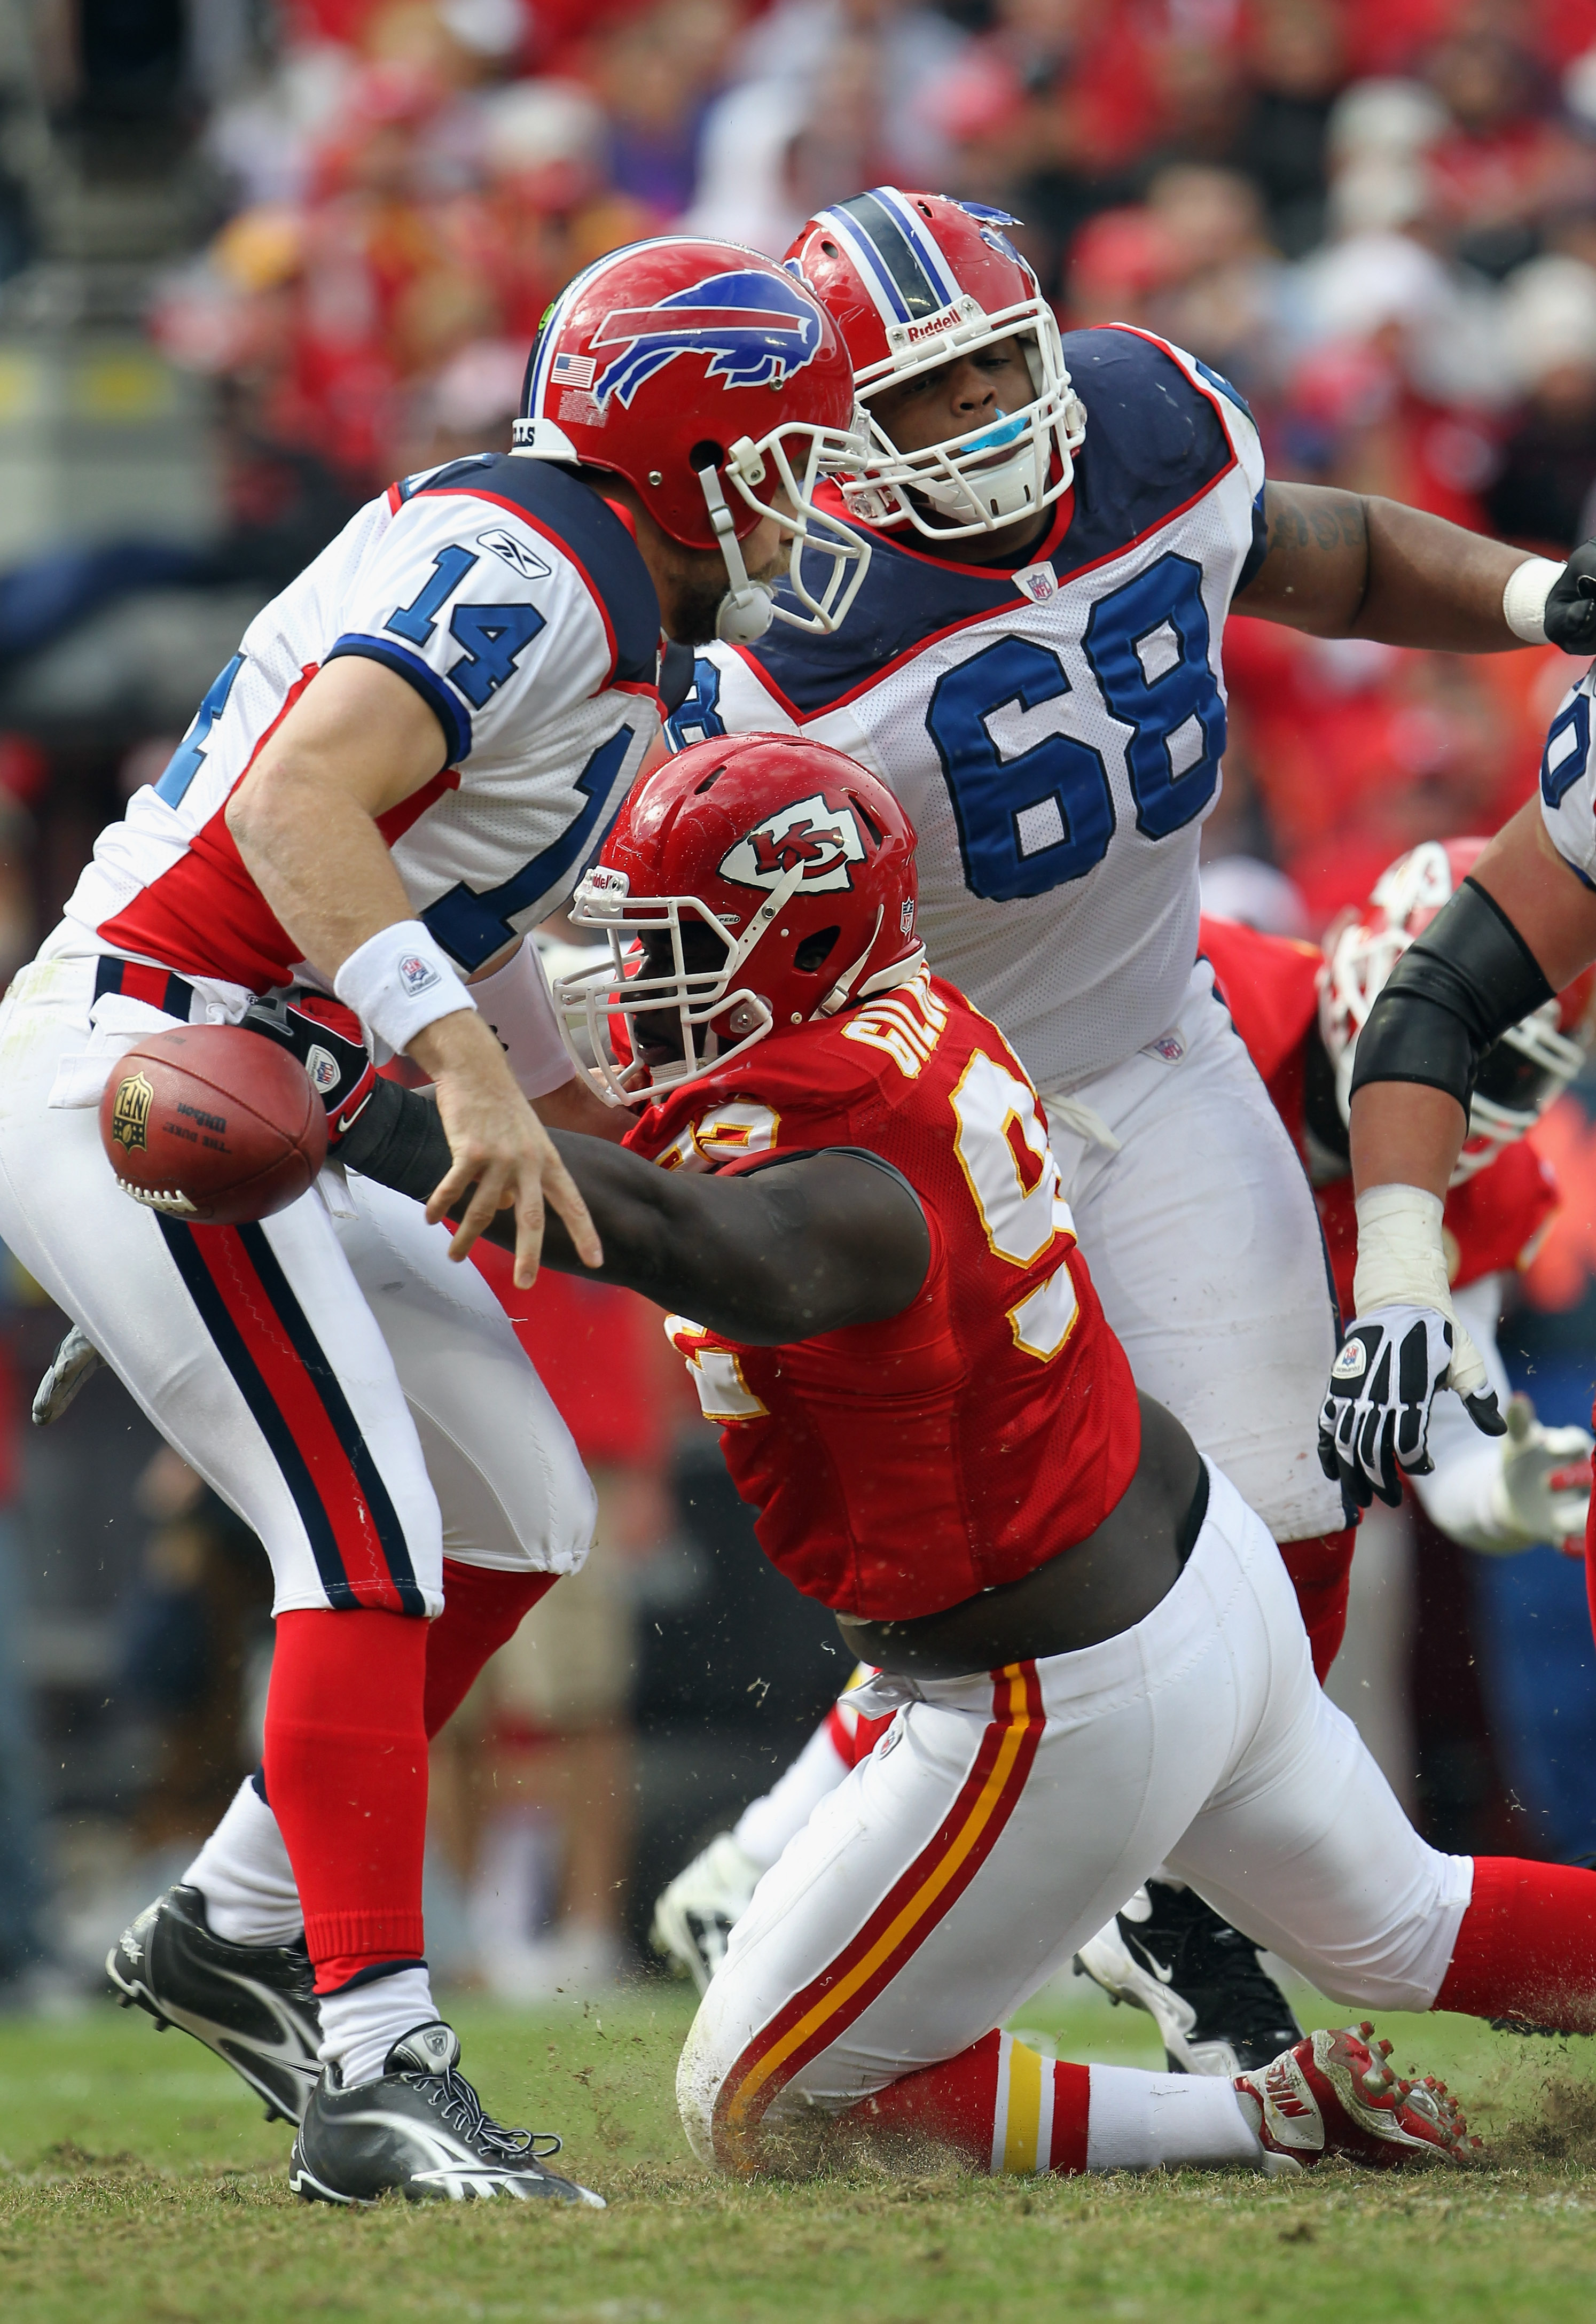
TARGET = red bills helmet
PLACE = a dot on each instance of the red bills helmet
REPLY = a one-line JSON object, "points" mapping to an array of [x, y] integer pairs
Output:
{"points": [[1520, 1074], [912, 281], [752, 885], [678, 363]]}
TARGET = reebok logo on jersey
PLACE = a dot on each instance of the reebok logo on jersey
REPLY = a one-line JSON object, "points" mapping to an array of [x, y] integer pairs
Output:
{"points": [[526, 561], [416, 974], [756, 329], [823, 840]]}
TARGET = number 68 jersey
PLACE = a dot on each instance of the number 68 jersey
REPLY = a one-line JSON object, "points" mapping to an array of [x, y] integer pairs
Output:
{"points": [[1055, 733], [900, 1467], [515, 604]]}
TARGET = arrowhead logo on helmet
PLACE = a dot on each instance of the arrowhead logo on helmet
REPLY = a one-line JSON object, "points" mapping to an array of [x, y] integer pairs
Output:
{"points": [[820, 841], [756, 331]]}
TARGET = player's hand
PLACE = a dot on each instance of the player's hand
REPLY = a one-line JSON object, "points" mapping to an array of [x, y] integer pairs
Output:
{"points": [[74, 1363], [325, 1038], [504, 1157], [1375, 1420], [1571, 605], [1544, 1491]]}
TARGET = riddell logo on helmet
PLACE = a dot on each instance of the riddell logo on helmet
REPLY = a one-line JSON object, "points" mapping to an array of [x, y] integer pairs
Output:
{"points": [[932, 328], [823, 840], [757, 329]]}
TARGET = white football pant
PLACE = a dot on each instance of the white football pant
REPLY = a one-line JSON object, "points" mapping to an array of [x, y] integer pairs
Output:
{"points": [[1198, 1224], [1004, 1818], [334, 1380]]}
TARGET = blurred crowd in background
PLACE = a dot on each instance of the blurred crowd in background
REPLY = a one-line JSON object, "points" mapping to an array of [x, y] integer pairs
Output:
{"points": [[257, 259]]}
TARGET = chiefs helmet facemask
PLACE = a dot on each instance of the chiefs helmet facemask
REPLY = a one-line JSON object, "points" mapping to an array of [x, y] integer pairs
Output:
{"points": [[718, 387], [1521, 1072], [911, 281], [753, 885]]}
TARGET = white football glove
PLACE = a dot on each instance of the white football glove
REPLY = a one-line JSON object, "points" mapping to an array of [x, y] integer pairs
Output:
{"points": [[1404, 1344], [75, 1361], [1542, 1492], [1375, 1419], [697, 1914]]}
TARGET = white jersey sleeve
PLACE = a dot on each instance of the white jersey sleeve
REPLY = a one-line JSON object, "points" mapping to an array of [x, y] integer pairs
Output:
{"points": [[1568, 782], [490, 622]]}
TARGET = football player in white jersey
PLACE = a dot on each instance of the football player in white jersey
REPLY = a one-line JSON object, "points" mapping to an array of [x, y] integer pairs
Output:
{"points": [[1523, 922], [1033, 665], [408, 762]]}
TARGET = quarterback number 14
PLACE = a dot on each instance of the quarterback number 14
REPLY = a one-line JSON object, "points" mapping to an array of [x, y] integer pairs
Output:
{"points": [[1044, 817]]}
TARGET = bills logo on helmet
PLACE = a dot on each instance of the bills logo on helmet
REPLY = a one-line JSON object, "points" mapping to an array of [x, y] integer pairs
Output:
{"points": [[824, 840], [756, 331]]}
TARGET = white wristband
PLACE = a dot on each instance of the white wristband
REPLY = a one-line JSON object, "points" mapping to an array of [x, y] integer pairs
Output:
{"points": [[398, 981], [1401, 1261], [1524, 600], [518, 1008]]}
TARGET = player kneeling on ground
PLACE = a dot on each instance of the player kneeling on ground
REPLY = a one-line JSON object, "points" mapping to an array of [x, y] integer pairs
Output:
{"points": [[1097, 1658]]}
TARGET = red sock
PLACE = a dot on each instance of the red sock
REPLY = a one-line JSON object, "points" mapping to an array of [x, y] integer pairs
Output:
{"points": [[1526, 1948], [481, 1609], [988, 2105], [1320, 1571], [346, 1777]]}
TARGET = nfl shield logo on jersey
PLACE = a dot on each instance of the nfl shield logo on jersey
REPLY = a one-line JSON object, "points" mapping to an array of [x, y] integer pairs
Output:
{"points": [[756, 329], [824, 840]]}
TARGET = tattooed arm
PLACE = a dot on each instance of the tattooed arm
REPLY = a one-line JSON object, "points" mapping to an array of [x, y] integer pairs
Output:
{"points": [[1340, 565]]}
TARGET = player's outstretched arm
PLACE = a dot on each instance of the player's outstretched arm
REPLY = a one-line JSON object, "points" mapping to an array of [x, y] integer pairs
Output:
{"points": [[358, 743], [765, 1257], [1349, 565], [1522, 924]]}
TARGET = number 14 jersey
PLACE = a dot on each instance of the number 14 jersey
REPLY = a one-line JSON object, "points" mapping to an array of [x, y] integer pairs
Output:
{"points": [[900, 1467], [512, 599], [1055, 733]]}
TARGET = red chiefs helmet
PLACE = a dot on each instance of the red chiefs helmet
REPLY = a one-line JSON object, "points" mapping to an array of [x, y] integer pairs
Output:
{"points": [[912, 281], [1520, 1074], [678, 363], [751, 885]]}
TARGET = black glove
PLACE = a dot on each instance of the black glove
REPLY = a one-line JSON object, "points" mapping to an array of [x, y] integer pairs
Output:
{"points": [[1570, 607], [325, 1036], [1375, 1420]]}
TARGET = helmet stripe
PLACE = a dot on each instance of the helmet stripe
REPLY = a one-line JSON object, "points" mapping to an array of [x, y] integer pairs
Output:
{"points": [[872, 267], [916, 289], [924, 244]]}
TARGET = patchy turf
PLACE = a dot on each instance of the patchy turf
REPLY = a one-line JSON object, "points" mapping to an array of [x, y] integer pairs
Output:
{"points": [[138, 2182]]}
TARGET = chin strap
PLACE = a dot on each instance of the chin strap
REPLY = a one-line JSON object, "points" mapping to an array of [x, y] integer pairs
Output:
{"points": [[746, 611]]}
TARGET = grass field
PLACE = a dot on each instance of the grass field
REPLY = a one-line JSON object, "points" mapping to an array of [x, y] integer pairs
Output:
{"points": [[138, 2181]]}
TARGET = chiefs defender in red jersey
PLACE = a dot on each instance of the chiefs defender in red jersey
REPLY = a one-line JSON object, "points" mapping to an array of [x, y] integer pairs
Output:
{"points": [[1095, 1654], [1298, 1011]]}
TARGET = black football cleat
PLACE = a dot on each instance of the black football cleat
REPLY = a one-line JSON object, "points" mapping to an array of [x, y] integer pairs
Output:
{"points": [[1218, 2008], [254, 2005], [419, 2131]]}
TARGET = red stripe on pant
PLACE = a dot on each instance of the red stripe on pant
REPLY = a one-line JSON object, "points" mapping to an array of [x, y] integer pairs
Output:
{"points": [[227, 1261], [1320, 1571], [899, 1924]]}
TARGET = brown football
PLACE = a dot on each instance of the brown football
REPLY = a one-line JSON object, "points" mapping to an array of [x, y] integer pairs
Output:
{"points": [[212, 1125]]}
